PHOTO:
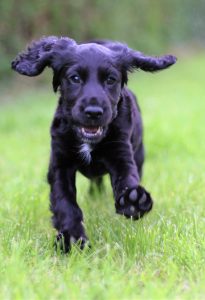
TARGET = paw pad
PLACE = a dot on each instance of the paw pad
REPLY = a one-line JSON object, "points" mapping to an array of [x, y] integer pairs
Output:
{"points": [[134, 203], [133, 195]]}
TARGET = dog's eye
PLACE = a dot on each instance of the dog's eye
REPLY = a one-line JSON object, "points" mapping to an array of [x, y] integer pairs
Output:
{"points": [[75, 79], [110, 80]]}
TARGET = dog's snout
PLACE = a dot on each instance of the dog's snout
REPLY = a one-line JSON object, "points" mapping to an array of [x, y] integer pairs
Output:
{"points": [[93, 111]]}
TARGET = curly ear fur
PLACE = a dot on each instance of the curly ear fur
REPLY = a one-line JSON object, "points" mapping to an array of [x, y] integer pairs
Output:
{"points": [[132, 59], [149, 63], [40, 54], [56, 52]]}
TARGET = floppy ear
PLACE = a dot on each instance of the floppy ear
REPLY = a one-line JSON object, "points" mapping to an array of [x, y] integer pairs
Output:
{"points": [[131, 59], [138, 60], [40, 54]]}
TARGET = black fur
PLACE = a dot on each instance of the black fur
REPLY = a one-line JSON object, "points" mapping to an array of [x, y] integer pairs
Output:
{"points": [[97, 127]]}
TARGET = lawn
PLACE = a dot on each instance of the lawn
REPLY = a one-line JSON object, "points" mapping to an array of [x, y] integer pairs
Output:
{"points": [[161, 256]]}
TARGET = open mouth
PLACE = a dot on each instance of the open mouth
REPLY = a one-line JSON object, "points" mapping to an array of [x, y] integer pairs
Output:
{"points": [[91, 132]]}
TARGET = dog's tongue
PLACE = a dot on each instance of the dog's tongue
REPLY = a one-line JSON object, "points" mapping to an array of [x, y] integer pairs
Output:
{"points": [[91, 129]]}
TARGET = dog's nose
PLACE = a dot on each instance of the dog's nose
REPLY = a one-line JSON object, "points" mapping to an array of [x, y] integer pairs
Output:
{"points": [[93, 111]]}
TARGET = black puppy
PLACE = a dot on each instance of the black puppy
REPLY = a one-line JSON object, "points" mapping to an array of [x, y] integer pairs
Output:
{"points": [[97, 127]]}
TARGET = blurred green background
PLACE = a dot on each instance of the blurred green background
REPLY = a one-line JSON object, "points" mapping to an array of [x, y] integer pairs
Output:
{"points": [[147, 25]]}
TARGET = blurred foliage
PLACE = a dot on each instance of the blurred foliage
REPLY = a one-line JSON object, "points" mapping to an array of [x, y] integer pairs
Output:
{"points": [[144, 24]]}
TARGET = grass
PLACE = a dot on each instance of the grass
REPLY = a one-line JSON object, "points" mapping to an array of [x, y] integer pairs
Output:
{"points": [[161, 256]]}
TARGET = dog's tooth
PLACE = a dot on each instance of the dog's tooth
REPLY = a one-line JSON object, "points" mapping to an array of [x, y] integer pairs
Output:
{"points": [[143, 199], [133, 195], [122, 201]]}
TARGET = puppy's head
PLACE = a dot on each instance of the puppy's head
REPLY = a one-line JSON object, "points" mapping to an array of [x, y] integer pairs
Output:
{"points": [[90, 78]]}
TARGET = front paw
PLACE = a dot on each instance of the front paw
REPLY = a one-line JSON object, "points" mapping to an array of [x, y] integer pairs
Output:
{"points": [[134, 202], [65, 240]]}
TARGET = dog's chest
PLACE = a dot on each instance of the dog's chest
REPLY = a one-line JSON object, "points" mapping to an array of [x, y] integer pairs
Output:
{"points": [[85, 152]]}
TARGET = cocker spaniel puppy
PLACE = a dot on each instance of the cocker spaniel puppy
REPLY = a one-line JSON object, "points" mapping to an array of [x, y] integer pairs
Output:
{"points": [[97, 127]]}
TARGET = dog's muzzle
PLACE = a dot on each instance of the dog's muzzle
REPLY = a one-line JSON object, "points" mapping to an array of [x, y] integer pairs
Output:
{"points": [[93, 125]]}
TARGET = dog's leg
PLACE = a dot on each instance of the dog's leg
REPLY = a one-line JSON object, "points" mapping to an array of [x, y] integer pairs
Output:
{"points": [[131, 199], [139, 159], [67, 216]]}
